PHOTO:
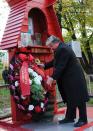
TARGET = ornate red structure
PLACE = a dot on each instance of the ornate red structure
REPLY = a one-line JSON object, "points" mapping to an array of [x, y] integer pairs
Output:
{"points": [[36, 17], [43, 15]]}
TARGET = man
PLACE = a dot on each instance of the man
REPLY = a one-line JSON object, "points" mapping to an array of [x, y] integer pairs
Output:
{"points": [[70, 79], [5, 75]]}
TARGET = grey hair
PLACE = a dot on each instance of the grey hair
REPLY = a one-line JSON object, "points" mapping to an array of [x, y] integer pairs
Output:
{"points": [[52, 39]]}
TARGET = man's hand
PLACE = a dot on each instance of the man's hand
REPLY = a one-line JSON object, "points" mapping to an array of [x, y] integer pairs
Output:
{"points": [[49, 80], [41, 65]]}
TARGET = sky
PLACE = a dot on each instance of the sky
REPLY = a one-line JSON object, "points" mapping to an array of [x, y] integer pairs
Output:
{"points": [[4, 12]]}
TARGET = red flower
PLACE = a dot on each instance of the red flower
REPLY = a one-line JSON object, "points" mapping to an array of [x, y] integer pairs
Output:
{"points": [[37, 109], [23, 57], [31, 58]]}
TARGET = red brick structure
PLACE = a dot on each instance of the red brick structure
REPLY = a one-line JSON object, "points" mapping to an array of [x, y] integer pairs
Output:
{"points": [[36, 17]]}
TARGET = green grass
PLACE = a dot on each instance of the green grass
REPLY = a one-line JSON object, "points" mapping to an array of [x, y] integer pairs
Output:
{"points": [[90, 101], [4, 91], [4, 98], [91, 85]]}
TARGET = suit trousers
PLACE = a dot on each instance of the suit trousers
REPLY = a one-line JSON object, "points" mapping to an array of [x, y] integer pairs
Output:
{"points": [[71, 111]]}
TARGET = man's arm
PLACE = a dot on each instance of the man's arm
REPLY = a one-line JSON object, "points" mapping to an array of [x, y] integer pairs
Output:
{"points": [[49, 64], [61, 63]]}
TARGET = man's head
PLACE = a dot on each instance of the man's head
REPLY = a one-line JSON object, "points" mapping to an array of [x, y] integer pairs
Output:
{"points": [[52, 41], [6, 67]]}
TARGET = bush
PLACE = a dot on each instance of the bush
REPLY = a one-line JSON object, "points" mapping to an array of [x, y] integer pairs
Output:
{"points": [[90, 101]]}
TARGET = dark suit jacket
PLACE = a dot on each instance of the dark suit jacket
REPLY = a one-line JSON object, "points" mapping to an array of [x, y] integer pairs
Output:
{"points": [[69, 75]]}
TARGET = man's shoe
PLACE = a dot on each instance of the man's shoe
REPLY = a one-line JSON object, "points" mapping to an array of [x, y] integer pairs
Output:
{"points": [[80, 123], [64, 121]]}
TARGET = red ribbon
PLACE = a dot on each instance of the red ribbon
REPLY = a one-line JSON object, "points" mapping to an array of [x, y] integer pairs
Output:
{"points": [[24, 75], [24, 79], [38, 70]]}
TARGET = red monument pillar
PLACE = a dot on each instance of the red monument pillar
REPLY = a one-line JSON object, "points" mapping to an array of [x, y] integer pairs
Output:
{"points": [[30, 22]]}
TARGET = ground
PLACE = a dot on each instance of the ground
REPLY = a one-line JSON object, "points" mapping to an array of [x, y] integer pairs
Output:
{"points": [[51, 126]]}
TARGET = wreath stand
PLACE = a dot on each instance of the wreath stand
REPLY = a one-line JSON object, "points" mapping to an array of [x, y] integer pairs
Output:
{"points": [[19, 117]]}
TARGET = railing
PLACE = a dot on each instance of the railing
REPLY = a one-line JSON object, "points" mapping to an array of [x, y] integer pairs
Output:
{"points": [[89, 79]]}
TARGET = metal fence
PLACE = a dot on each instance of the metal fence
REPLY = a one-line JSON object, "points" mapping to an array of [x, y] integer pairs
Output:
{"points": [[89, 79]]}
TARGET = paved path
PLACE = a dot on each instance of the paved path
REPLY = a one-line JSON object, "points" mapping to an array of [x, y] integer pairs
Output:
{"points": [[49, 127], [52, 126]]}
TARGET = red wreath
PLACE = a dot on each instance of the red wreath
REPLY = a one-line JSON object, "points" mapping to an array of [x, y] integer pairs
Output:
{"points": [[22, 96]]}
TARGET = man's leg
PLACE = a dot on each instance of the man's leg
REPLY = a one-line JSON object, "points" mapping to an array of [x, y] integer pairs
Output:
{"points": [[82, 115], [71, 111], [82, 112], [70, 114]]}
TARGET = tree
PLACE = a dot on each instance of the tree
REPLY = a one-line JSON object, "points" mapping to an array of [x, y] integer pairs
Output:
{"points": [[75, 16], [1, 55]]}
